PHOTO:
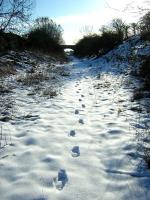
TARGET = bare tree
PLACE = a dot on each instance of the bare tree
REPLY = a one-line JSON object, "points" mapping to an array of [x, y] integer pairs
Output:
{"points": [[120, 27], [116, 26], [126, 31], [14, 13], [86, 30], [105, 28], [134, 28], [145, 22], [48, 26], [132, 7], [145, 8]]}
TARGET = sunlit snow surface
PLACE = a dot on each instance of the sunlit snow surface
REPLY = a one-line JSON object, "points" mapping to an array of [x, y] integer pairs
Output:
{"points": [[79, 145]]}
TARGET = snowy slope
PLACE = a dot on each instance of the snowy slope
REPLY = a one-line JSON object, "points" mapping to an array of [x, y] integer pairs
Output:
{"points": [[124, 58], [80, 144]]}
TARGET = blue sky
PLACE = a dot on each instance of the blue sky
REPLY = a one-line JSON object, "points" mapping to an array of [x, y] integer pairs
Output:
{"points": [[57, 8], [73, 15]]}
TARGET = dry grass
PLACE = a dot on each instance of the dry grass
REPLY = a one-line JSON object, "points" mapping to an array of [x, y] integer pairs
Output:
{"points": [[64, 73], [6, 101], [4, 89], [50, 92], [5, 139], [33, 78], [143, 134], [102, 85], [144, 75], [7, 69], [147, 156]]}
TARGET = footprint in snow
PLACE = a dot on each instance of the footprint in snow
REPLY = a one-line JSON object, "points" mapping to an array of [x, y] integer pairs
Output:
{"points": [[61, 179], [77, 91], [81, 121], [40, 198], [30, 141], [82, 95], [90, 93], [21, 135], [80, 99], [75, 152], [76, 111], [83, 105], [72, 133]]}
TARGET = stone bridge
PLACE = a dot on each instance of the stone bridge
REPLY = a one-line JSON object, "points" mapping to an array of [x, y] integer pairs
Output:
{"points": [[68, 46]]}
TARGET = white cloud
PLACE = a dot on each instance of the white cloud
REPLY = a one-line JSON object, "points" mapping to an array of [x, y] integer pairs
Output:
{"points": [[100, 16]]}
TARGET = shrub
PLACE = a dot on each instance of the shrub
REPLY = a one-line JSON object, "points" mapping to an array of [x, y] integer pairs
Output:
{"points": [[87, 46], [145, 68], [144, 90], [45, 35], [145, 35], [117, 26], [145, 26], [11, 41], [120, 27], [110, 39], [145, 73], [96, 44]]}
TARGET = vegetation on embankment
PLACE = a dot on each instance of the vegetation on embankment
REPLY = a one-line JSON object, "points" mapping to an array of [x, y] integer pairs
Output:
{"points": [[19, 32], [111, 35], [44, 36], [135, 38]]}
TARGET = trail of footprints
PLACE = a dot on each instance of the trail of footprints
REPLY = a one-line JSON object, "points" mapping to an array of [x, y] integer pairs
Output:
{"points": [[75, 152], [62, 178]]}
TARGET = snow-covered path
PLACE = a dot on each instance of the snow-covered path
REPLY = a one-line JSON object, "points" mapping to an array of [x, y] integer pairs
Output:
{"points": [[78, 145]]}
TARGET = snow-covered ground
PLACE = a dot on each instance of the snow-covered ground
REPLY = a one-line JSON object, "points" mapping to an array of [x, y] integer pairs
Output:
{"points": [[80, 144]]}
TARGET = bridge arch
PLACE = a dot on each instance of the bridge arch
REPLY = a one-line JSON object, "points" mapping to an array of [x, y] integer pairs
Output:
{"points": [[66, 46]]}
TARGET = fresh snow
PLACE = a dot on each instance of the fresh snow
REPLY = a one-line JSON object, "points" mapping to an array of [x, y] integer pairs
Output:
{"points": [[80, 144]]}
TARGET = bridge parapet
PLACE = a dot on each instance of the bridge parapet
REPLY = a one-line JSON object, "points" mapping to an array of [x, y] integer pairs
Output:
{"points": [[65, 46]]}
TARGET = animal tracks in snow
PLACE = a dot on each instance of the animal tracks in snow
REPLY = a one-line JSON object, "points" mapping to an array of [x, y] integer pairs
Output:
{"points": [[72, 133], [61, 179], [74, 144], [81, 121], [75, 152], [76, 111]]}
